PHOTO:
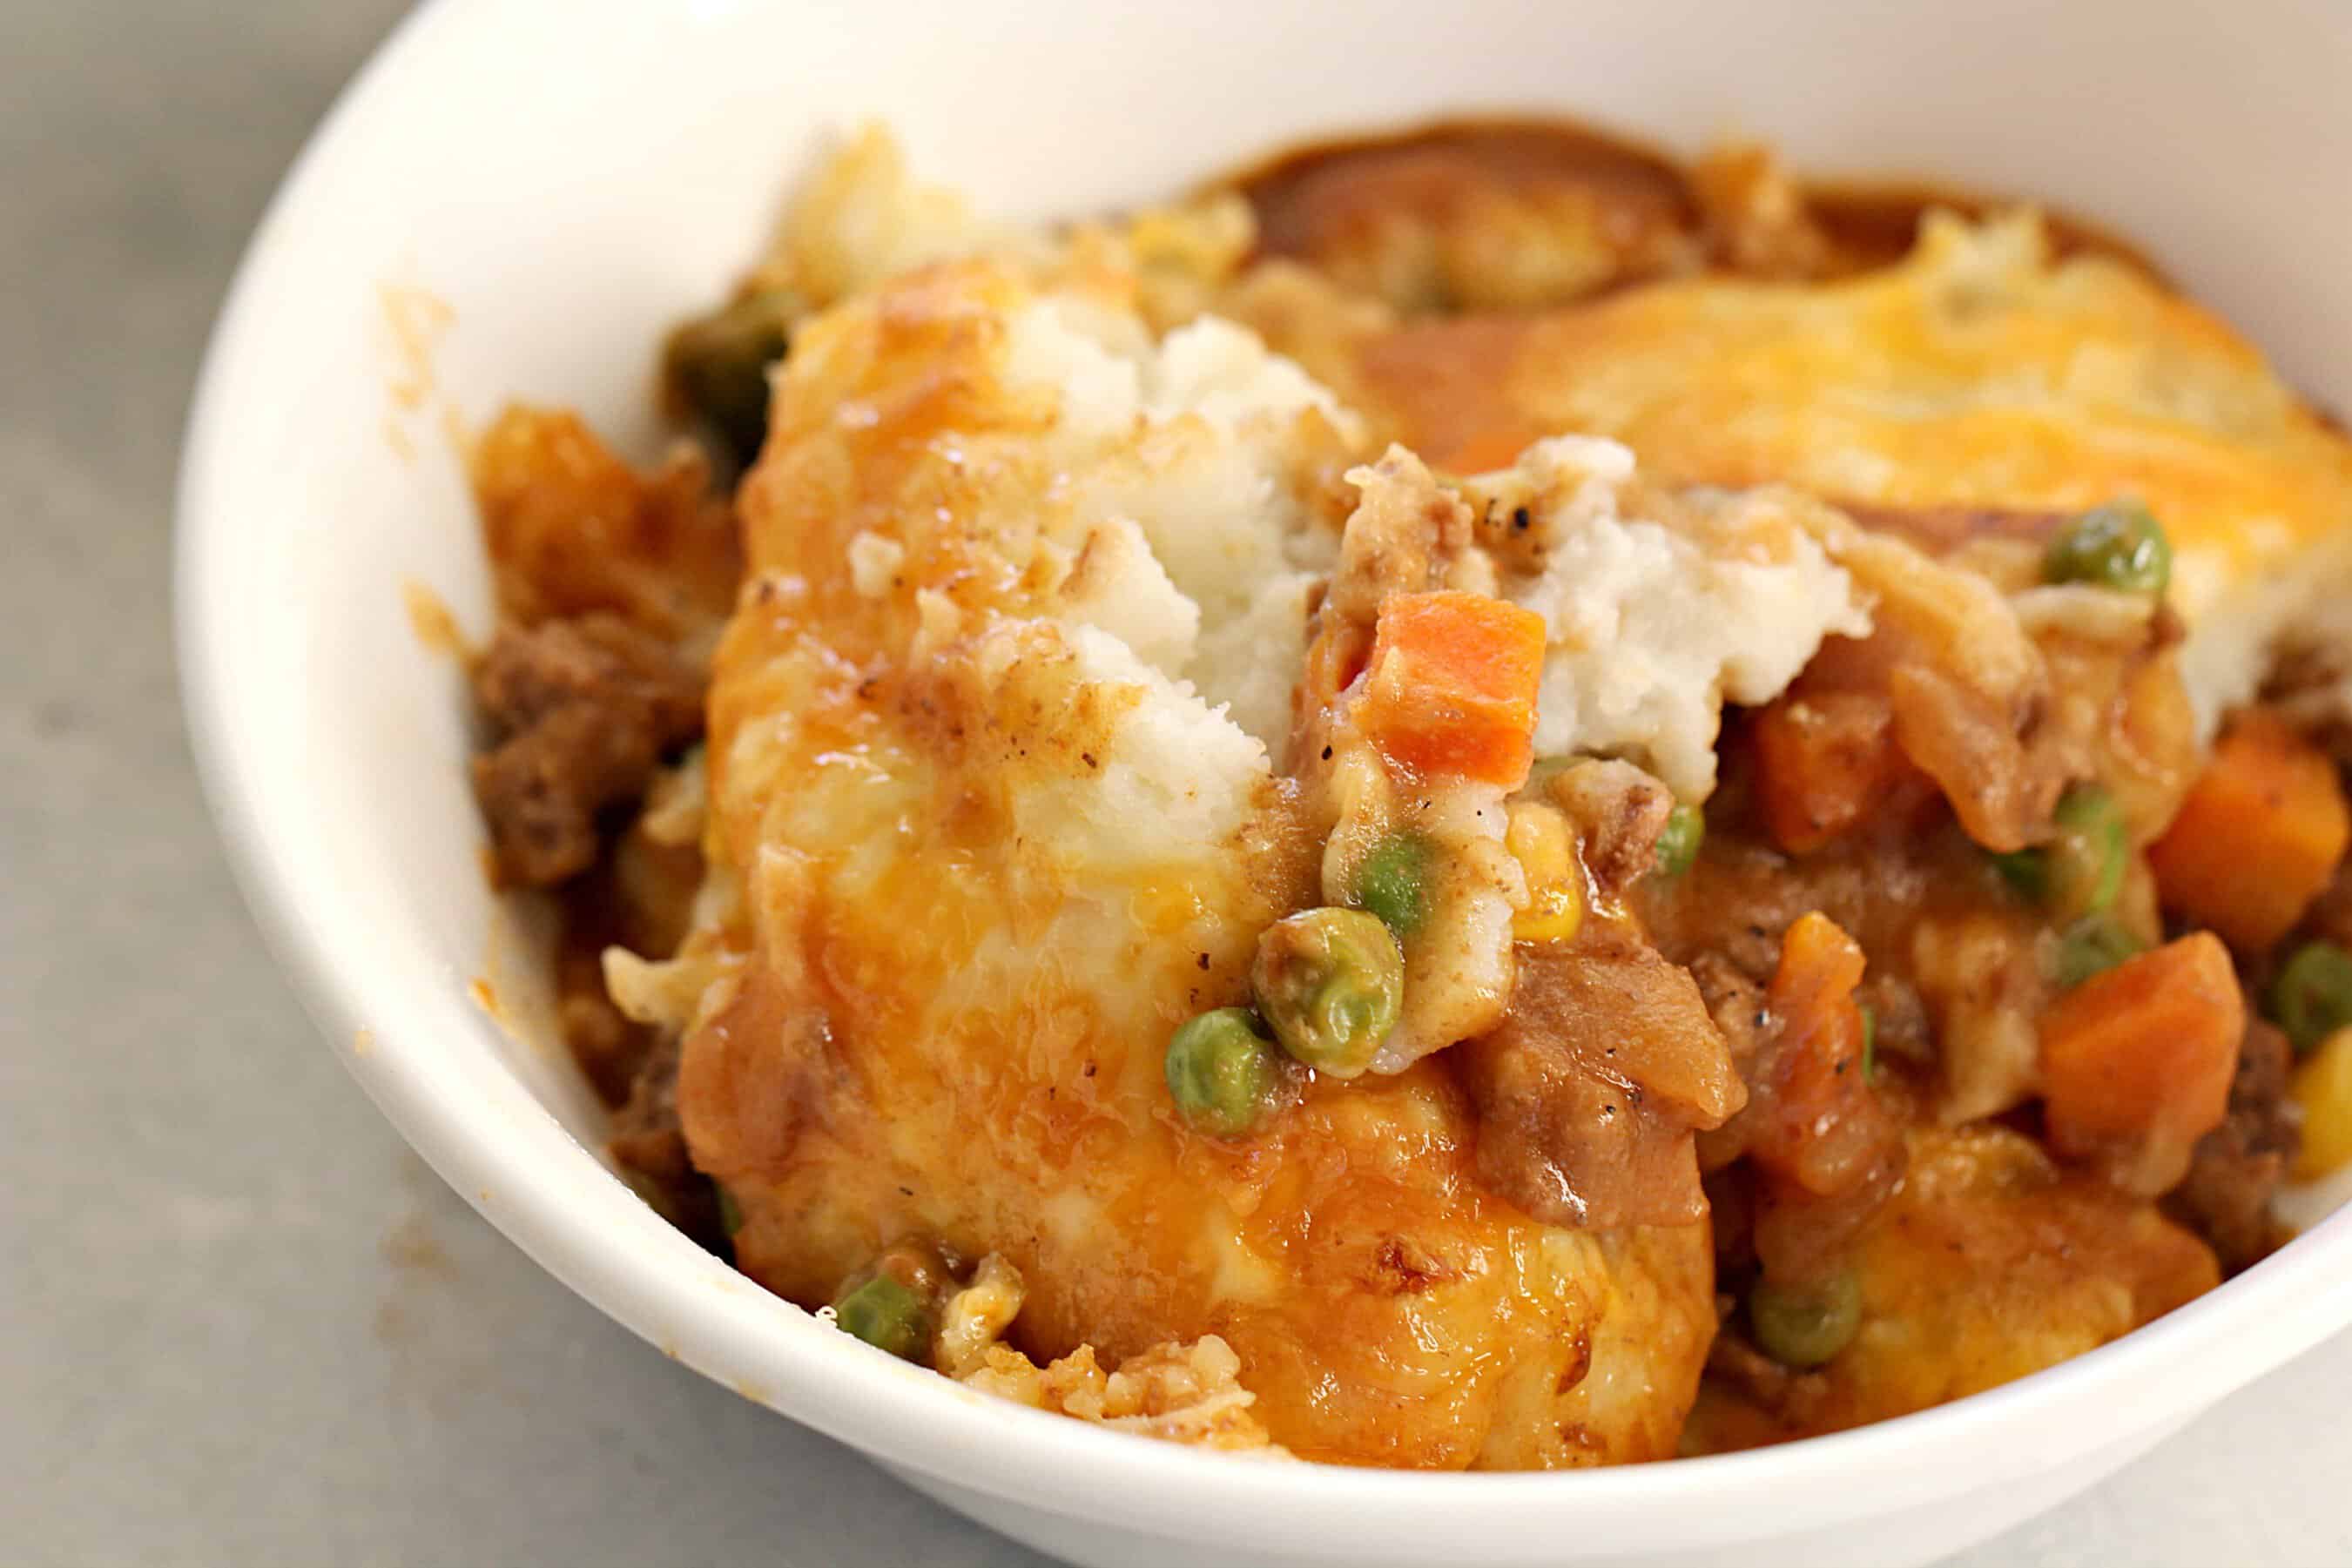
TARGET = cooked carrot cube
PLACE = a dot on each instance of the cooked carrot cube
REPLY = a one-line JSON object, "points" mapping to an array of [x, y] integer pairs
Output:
{"points": [[1451, 687], [1822, 763], [2258, 837], [2144, 1053]]}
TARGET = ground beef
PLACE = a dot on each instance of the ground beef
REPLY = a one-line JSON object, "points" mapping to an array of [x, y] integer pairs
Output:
{"points": [[645, 1132], [1591, 1089], [1735, 1001], [2226, 1196], [649, 1144], [610, 1048], [1619, 813], [586, 707], [2330, 918]]}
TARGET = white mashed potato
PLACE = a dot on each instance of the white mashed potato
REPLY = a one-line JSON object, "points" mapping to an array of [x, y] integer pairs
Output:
{"points": [[1204, 558], [1654, 626], [1188, 451], [1179, 516]]}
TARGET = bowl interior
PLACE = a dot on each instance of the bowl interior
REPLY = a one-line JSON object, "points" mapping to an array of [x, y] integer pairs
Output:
{"points": [[520, 194]]}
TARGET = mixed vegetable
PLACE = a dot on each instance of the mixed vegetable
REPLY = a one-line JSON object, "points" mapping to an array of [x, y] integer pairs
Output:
{"points": [[2138, 1018], [1223, 1071], [2259, 836], [1805, 1326], [1393, 882], [1329, 983], [894, 1305], [715, 368], [2119, 546], [2311, 998], [1450, 692], [1678, 845]]}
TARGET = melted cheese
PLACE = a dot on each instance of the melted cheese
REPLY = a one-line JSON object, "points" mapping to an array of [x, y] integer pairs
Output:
{"points": [[1975, 377], [997, 837]]}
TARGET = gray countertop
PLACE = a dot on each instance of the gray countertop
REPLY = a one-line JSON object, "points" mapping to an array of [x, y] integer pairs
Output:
{"points": [[240, 1322]]}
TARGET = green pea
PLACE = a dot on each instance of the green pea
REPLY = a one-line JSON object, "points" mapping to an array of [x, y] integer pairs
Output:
{"points": [[1393, 882], [1805, 1326], [1222, 1072], [2118, 546], [2081, 870], [2086, 861], [716, 366], [887, 1316], [1678, 841], [2312, 997], [730, 1213], [2021, 868], [2092, 946], [1330, 983]]}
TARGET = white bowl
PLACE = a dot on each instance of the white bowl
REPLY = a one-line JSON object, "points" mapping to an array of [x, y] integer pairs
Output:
{"points": [[567, 176]]}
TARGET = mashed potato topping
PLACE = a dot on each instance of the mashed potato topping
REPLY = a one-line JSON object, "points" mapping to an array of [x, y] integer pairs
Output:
{"points": [[1653, 624], [1190, 452], [1008, 818], [1980, 383], [1185, 1394]]}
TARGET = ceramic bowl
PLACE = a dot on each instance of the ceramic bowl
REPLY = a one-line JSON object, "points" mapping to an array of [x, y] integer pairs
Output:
{"points": [[516, 196]]}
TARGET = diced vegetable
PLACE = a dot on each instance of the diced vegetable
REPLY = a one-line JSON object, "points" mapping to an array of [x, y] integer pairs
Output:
{"points": [[1818, 1122], [1330, 984], [1555, 912], [2119, 546], [1393, 882], [2144, 1053], [1805, 1326], [1869, 1042], [1820, 965], [1539, 839], [2093, 945], [2080, 870], [2311, 997], [886, 1315], [1222, 1072], [1678, 844], [1452, 685], [2322, 1085], [894, 1305], [2258, 837], [1822, 763], [716, 366]]}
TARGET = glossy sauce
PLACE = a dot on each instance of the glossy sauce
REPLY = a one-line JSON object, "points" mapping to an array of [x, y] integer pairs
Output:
{"points": [[1312, 200]]}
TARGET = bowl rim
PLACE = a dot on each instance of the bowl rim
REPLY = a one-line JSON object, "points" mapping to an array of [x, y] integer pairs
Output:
{"points": [[744, 1338]]}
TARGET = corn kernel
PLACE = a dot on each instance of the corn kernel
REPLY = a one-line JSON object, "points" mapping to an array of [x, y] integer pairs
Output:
{"points": [[1538, 837], [2323, 1087], [1554, 913]]}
